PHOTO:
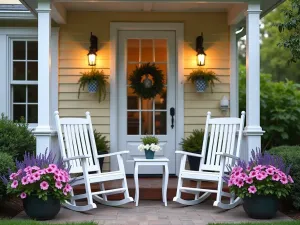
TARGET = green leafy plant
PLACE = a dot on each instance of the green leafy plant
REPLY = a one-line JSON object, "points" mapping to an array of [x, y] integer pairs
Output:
{"points": [[101, 143], [207, 75], [149, 140], [193, 143], [6, 162], [291, 155], [91, 76], [16, 138]]}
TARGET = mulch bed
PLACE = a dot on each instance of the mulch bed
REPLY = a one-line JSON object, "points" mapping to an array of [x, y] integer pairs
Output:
{"points": [[10, 208]]}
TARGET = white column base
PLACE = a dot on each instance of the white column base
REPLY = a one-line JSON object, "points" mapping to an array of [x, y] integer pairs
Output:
{"points": [[45, 139], [253, 139]]}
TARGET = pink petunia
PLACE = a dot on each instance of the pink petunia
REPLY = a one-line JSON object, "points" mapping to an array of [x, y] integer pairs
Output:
{"points": [[65, 191], [35, 168], [276, 177], [248, 168], [50, 170], [259, 176], [252, 174], [28, 169], [264, 174], [284, 180], [230, 183], [14, 184], [23, 195], [270, 171], [19, 172], [252, 189], [237, 173], [68, 187], [13, 176], [36, 176], [24, 180], [53, 166], [259, 167], [290, 179], [44, 185], [249, 180], [58, 185], [240, 183]]}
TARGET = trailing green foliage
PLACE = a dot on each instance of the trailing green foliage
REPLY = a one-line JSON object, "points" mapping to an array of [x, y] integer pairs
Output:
{"points": [[16, 138], [101, 143], [94, 75], [149, 140], [193, 143], [280, 110], [6, 162], [207, 75], [291, 155]]}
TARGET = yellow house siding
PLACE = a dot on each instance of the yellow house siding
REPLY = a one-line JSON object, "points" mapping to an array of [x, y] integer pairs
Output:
{"points": [[74, 45]]}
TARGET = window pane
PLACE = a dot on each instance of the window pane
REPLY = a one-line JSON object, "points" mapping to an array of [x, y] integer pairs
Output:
{"points": [[160, 50], [147, 104], [133, 123], [160, 123], [19, 92], [161, 100], [19, 50], [32, 71], [147, 50], [32, 114], [132, 99], [19, 71], [147, 123], [32, 50], [32, 93], [18, 112], [133, 50], [164, 68], [130, 68]]}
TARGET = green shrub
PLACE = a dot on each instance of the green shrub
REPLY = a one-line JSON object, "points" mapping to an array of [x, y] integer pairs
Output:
{"points": [[101, 143], [193, 143], [291, 155], [15, 138], [149, 140], [6, 162]]}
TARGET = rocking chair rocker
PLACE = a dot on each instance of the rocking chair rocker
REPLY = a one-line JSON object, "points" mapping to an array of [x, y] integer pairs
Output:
{"points": [[223, 150], [78, 149]]}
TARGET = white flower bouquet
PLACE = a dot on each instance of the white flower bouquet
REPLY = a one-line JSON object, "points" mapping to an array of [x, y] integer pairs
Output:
{"points": [[152, 147], [149, 146]]}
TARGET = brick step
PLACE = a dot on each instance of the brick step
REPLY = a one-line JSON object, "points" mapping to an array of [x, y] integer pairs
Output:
{"points": [[150, 188]]}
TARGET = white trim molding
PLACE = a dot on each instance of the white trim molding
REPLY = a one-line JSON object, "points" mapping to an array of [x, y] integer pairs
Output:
{"points": [[115, 27], [234, 74]]}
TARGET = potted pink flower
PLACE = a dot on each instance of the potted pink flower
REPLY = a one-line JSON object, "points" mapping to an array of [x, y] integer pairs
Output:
{"points": [[42, 183], [260, 183]]}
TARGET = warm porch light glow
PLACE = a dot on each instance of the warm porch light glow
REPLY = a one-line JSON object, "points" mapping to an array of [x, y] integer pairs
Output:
{"points": [[93, 49], [200, 51]]}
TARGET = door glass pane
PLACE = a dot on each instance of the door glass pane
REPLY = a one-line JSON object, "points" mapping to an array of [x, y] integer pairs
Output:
{"points": [[132, 99], [32, 50], [164, 68], [147, 50], [18, 112], [160, 123], [161, 100], [19, 71], [32, 114], [160, 50], [19, 93], [130, 68], [133, 50], [32, 93], [147, 123], [19, 50], [133, 123], [32, 71], [147, 104]]}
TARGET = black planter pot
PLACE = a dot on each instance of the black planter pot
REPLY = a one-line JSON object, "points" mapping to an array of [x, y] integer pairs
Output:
{"points": [[261, 207], [39, 209], [101, 160], [194, 162]]}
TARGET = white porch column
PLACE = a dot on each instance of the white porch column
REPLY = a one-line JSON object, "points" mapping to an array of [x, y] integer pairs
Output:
{"points": [[234, 74], [43, 131], [253, 130]]}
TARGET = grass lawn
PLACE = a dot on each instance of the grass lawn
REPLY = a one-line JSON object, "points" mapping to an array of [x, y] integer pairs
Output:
{"points": [[30, 222], [262, 223]]}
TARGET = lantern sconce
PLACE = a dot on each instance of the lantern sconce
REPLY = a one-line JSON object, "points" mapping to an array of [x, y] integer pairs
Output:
{"points": [[200, 51], [224, 104], [93, 50]]}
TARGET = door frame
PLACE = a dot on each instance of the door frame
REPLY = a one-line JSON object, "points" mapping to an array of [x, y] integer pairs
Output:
{"points": [[115, 27]]}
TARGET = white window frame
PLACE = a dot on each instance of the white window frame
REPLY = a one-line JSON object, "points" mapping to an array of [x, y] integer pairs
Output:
{"points": [[21, 82]]}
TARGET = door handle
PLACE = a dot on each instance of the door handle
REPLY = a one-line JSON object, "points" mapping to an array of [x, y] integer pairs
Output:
{"points": [[172, 114]]}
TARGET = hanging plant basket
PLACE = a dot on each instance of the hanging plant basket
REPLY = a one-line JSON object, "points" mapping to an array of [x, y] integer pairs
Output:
{"points": [[200, 85], [93, 87]]}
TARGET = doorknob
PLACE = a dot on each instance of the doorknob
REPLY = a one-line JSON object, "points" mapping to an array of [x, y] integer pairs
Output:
{"points": [[172, 114]]}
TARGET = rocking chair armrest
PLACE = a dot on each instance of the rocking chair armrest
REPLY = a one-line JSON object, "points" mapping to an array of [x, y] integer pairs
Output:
{"points": [[227, 155], [112, 154], [77, 157], [189, 153]]}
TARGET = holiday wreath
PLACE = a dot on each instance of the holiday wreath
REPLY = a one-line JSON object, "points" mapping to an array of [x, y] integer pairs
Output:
{"points": [[147, 81]]}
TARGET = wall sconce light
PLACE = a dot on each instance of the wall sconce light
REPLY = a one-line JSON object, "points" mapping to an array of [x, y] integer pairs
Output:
{"points": [[93, 50], [224, 104], [200, 51]]}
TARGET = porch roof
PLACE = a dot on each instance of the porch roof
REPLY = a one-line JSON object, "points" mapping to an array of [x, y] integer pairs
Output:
{"points": [[235, 8]]}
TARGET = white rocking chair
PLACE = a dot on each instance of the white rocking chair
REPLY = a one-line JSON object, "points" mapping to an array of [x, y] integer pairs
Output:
{"points": [[78, 149], [223, 150]]}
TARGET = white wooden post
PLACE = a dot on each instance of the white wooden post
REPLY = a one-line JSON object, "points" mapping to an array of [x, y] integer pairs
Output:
{"points": [[234, 74], [253, 130], [43, 131]]}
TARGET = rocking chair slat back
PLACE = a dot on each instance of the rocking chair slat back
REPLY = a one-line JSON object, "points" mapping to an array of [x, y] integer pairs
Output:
{"points": [[76, 138], [221, 135]]}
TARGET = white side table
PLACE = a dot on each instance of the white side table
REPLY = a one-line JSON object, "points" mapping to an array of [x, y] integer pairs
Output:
{"points": [[163, 161]]}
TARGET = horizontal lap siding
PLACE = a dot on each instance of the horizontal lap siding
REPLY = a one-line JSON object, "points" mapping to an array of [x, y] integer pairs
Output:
{"points": [[74, 45]]}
